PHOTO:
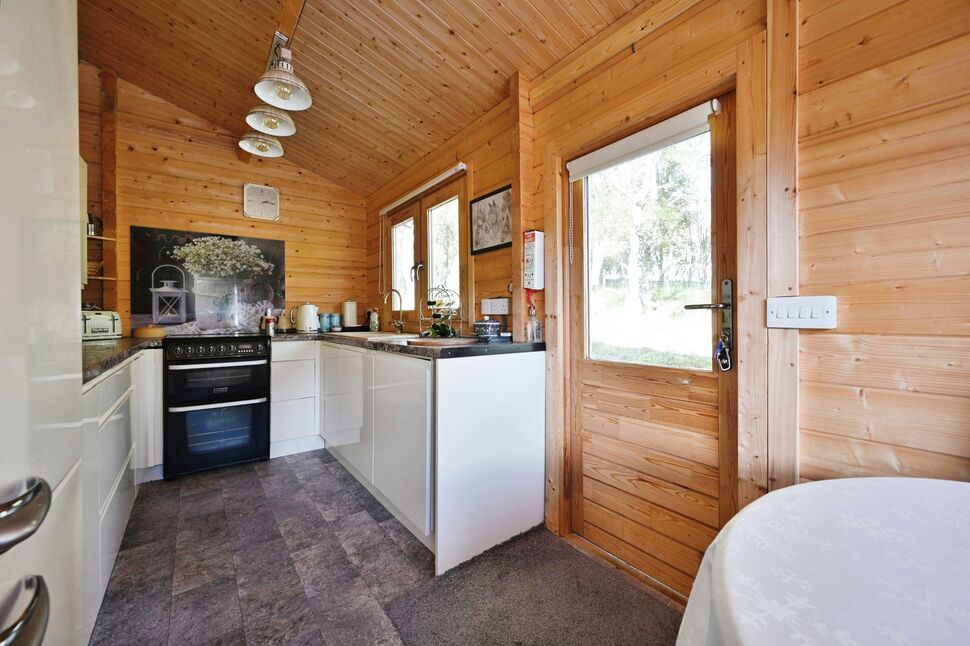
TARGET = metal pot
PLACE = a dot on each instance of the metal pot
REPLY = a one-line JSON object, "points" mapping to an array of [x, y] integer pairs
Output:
{"points": [[486, 329]]}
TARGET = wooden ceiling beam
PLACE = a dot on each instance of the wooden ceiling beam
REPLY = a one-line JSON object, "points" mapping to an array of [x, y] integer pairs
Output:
{"points": [[290, 12]]}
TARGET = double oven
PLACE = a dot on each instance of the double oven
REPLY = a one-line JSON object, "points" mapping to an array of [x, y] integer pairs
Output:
{"points": [[217, 399]]}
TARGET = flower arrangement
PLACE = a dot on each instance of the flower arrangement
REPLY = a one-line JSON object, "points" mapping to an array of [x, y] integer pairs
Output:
{"points": [[220, 257]]}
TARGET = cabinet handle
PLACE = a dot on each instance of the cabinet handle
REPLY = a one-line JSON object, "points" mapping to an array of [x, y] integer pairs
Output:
{"points": [[30, 626], [226, 364], [21, 516], [189, 409]]}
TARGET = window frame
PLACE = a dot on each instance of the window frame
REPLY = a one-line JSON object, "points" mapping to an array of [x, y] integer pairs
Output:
{"points": [[419, 209]]}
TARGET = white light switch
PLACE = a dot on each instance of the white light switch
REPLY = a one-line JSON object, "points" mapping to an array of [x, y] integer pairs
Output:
{"points": [[807, 312], [495, 306]]}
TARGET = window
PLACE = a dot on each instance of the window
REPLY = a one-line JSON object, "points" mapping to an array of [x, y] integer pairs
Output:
{"points": [[427, 247], [443, 259], [402, 262], [647, 254]]}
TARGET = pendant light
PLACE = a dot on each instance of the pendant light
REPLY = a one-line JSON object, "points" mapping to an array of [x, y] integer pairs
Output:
{"points": [[280, 87], [271, 121], [261, 144]]}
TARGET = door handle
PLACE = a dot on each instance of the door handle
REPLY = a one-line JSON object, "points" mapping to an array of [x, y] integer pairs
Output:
{"points": [[725, 341], [707, 306], [189, 409], [21, 516], [29, 628]]}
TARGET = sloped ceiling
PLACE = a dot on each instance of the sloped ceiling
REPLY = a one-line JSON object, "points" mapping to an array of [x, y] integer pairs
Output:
{"points": [[391, 79]]}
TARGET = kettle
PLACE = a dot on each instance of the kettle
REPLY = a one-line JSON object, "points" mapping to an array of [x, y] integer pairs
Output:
{"points": [[306, 317]]}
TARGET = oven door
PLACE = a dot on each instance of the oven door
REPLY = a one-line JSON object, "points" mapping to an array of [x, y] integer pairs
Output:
{"points": [[216, 381], [202, 436]]}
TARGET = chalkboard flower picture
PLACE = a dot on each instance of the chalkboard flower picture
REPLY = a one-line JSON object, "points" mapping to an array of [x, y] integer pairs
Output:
{"points": [[220, 257]]}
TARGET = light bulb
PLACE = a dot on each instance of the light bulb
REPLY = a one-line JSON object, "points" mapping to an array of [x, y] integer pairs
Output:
{"points": [[261, 147], [271, 122], [284, 91]]}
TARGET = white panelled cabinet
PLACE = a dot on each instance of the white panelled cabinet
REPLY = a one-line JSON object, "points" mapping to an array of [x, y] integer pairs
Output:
{"points": [[345, 371], [403, 435], [108, 476], [295, 387]]}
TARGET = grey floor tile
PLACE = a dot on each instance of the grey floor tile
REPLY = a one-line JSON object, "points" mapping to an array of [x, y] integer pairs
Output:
{"points": [[325, 571], [420, 556], [134, 616], [359, 620], [358, 531], [201, 482], [205, 614], [264, 565], [338, 506], [278, 613], [201, 563], [253, 528], [307, 530], [204, 502], [387, 571]]}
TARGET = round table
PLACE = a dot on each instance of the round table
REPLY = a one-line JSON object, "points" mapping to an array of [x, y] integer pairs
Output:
{"points": [[856, 561]]}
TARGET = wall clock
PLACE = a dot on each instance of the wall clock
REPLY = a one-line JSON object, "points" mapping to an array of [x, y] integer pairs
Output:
{"points": [[261, 202]]}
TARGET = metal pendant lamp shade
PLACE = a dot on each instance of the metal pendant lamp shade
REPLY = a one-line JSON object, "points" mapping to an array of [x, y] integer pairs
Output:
{"points": [[261, 144], [280, 87], [271, 121]]}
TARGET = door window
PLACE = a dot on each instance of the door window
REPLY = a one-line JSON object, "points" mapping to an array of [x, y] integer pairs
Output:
{"points": [[648, 253]]}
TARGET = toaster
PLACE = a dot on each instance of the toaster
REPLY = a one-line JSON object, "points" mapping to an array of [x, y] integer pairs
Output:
{"points": [[100, 325]]}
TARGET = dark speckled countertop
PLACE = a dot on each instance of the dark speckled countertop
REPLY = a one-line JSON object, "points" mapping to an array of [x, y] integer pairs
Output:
{"points": [[97, 357], [400, 346]]}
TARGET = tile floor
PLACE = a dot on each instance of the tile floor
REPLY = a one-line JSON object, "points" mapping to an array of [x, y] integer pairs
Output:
{"points": [[290, 551]]}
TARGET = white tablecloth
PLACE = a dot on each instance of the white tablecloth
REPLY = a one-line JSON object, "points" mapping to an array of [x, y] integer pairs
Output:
{"points": [[848, 562]]}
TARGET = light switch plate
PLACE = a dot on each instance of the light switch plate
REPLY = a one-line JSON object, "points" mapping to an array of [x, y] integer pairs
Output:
{"points": [[803, 312], [495, 306]]}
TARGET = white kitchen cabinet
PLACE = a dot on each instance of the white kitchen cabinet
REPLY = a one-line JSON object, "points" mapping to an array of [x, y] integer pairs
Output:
{"points": [[147, 414], [403, 435], [107, 470], [294, 394], [343, 394]]}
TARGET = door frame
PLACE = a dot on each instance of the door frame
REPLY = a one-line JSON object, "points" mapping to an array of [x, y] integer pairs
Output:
{"points": [[745, 72]]}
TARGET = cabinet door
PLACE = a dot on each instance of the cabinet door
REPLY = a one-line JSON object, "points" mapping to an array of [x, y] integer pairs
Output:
{"points": [[403, 436], [292, 419], [147, 415], [293, 379]]}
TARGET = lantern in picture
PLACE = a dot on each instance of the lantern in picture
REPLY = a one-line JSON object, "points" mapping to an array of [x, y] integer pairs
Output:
{"points": [[168, 301]]}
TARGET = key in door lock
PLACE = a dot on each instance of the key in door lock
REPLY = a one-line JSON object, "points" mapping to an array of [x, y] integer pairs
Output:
{"points": [[725, 343]]}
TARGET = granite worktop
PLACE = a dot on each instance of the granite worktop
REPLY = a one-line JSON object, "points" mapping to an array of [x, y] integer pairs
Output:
{"points": [[98, 357], [400, 346]]}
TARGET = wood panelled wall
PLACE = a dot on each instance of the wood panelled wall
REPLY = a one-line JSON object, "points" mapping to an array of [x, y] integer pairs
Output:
{"points": [[884, 174], [486, 147], [178, 171], [89, 107]]}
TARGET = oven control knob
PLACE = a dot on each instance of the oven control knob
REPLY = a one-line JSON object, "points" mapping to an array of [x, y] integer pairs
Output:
{"points": [[222, 349], [178, 349], [232, 348], [259, 347], [190, 350], [212, 349]]}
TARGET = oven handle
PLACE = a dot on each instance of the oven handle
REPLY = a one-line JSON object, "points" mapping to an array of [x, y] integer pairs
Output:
{"points": [[189, 409], [226, 364]]}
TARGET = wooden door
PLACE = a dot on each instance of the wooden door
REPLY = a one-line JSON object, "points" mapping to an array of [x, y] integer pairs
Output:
{"points": [[652, 417]]}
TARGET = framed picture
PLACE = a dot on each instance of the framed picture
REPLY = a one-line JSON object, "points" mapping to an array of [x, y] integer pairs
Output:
{"points": [[491, 220]]}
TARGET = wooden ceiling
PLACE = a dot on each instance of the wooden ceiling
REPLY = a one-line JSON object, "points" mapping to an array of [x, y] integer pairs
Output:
{"points": [[391, 79]]}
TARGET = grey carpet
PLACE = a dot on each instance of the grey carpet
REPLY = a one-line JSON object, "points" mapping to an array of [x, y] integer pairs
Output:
{"points": [[534, 589]]}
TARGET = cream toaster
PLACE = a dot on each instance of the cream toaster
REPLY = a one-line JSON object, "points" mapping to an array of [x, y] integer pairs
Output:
{"points": [[100, 325]]}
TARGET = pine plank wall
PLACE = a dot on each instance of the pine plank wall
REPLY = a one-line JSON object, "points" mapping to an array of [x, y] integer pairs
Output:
{"points": [[177, 171], [884, 174]]}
